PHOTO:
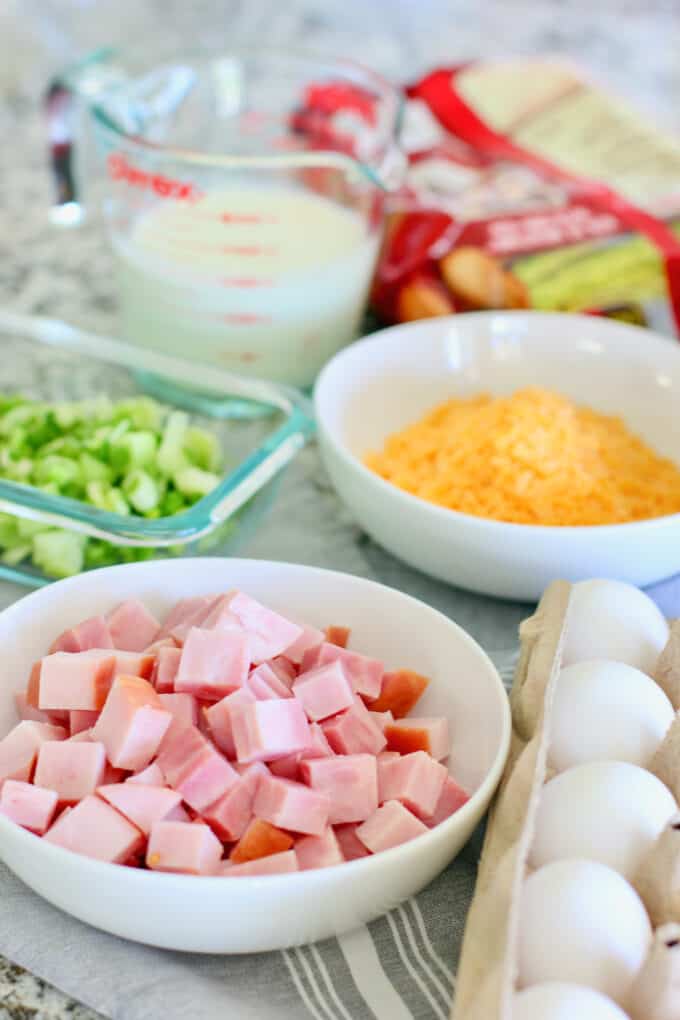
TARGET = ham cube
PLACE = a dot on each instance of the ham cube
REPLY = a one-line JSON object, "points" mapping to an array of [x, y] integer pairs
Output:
{"points": [[213, 663], [230, 816], [338, 636], [450, 800], [141, 804], [364, 674], [206, 779], [319, 746], [318, 851], [260, 840], [425, 734], [184, 610], [219, 718], [27, 711], [187, 848], [269, 634], [155, 646], [383, 719], [132, 664], [284, 669], [354, 731], [95, 829], [19, 749], [266, 685], [324, 692], [132, 626], [92, 633], [165, 671], [416, 780], [80, 720], [28, 805], [350, 845], [274, 864], [150, 776], [267, 730], [84, 736], [308, 640], [112, 775], [183, 706], [132, 724], [290, 805], [391, 825], [399, 693], [193, 617], [349, 781], [75, 680], [33, 687], [181, 747], [72, 770]]}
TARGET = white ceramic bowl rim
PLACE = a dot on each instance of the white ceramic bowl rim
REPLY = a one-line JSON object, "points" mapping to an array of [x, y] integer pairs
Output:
{"points": [[485, 523], [361, 866]]}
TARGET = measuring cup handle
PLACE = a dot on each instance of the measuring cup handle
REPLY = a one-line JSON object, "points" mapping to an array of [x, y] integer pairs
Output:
{"points": [[66, 104]]}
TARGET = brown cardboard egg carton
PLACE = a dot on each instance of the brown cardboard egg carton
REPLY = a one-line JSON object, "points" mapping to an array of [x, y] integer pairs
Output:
{"points": [[488, 968]]}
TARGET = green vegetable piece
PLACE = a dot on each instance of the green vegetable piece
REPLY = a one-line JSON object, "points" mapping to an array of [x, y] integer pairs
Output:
{"points": [[22, 414], [59, 553], [194, 482], [170, 454], [141, 491], [143, 413], [133, 450], [15, 555], [27, 529], [202, 448], [9, 532], [99, 553], [106, 497], [173, 503], [59, 470], [93, 470]]}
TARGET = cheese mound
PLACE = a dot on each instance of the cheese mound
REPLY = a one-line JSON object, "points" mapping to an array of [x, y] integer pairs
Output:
{"points": [[531, 458]]}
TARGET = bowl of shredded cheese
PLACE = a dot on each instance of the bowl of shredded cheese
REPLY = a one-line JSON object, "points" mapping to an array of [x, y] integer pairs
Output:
{"points": [[499, 450]]}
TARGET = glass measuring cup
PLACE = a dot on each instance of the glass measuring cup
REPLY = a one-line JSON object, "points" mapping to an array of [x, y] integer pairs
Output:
{"points": [[243, 194]]}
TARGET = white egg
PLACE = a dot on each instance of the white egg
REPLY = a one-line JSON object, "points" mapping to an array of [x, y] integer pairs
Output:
{"points": [[606, 710], [557, 1000], [606, 811], [613, 620], [581, 922]]}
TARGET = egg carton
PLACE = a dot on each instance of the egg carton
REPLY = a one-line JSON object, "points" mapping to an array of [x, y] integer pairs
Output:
{"points": [[488, 969]]}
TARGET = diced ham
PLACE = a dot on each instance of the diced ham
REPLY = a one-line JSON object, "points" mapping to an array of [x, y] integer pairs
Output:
{"points": [[72, 770], [308, 640], [414, 779], [213, 663], [338, 636], [75, 680], [354, 731], [324, 692], [183, 611], [84, 736], [364, 674], [112, 775], [27, 711], [150, 776], [274, 864], [183, 706], [33, 686], [193, 617], [319, 747], [318, 851], [206, 779], [269, 633], [132, 626], [179, 750], [188, 848], [450, 800], [266, 685], [290, 805], [260, 840], [286, 768], [28, 805], [230, 815], [179, 814], [349, 781], [165, 672], [130, 663], [351, 846], [383, 719], [132, 724], [267, 730], [387, 756], [141, 804], [91, 633], [95, 829], [80, 720], [399, 693], [391, 825], [420, 734], [284, 669], [219, 717], [164, 642], [19, 749]]}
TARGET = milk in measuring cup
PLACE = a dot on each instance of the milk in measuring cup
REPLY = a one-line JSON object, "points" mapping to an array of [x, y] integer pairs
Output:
{"points": [[265, 281]]}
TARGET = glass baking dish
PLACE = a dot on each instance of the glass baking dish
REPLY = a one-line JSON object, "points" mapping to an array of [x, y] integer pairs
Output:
{"points": [[260, 426]]}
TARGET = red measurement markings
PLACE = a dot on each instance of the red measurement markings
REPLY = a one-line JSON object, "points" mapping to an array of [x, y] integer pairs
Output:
{"points": [[245, 318], [246, 281], [247, 250], [120, 169], [228, 218]]}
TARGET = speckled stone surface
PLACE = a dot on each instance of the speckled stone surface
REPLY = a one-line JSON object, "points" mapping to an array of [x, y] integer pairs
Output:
{"points": [[631, 45]]}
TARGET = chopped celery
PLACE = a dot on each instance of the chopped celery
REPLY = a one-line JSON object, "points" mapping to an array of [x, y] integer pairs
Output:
{"points": [[202, 449], [27, 529], [173, 503], [106, 497], [133, 450], [93, 470], [141, 491], [59, 553], [192, 481], [60, 470], [16, 554], [171, 456], [9, 531]]}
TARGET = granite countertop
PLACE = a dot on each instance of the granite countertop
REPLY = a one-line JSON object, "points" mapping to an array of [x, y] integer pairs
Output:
{"points": [[629, 44]]}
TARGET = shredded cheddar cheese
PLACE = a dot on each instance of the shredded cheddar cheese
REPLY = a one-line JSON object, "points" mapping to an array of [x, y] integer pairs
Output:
{"points": [[532, 458]]}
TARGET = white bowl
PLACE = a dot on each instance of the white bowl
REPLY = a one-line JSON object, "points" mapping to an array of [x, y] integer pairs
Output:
{"points": [[382, 383], [222, 915]]}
